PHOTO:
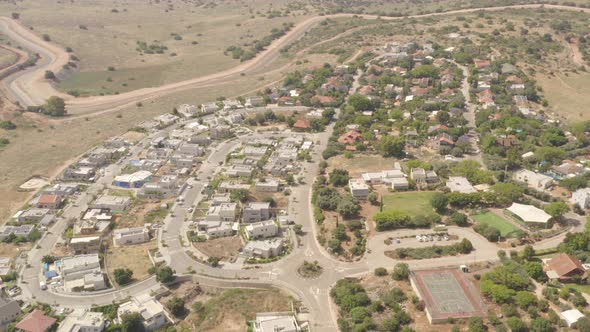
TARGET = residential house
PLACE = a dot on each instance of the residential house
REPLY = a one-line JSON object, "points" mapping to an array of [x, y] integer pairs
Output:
{"points": [[166, 120], [254, 101], [5, 268], [256, 211], [222, 212], [85, 245], [420, 175], [22, 231], [82, 272], [36, 321], [78, 174], [581, 197], [482, 64], [534, 180], [565, 268], [441, 140], [239, 170], [437, 128], [568, 169], [400, 184], [216, 229], [460, 184], [358, 189], [268, 186], [187, 111], [274, 322], [31, 215], [229, 187], [302, 124], [83, 320], [62, 189], [255, 151], [151, 311], [351, 137], [486, 98], [127, 236], [9, 311], [220, 132], [383, 176], [507, 141], [209, 107], [113, 203], [261, 229], [219, 199], [264, 248]]}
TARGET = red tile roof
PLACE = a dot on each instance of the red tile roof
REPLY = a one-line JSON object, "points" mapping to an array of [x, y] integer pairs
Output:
{"points": [[565, 264], [36, 321], [350, 137], [48, 199], [302, 124]]}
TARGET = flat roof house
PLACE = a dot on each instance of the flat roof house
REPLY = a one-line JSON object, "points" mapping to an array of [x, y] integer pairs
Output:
{"points": [[127, 236], [85, 245], [151, 311], [256, 211], [581, 197], [460, 184], [9, 311], [261, 229], [358, 189], [215, 229], [113, 203], [81, 320], [82, 272], [222, 212], [420, 175], [267, 186], [20, 231], [264, 248], [273, 322], [533, 180]]}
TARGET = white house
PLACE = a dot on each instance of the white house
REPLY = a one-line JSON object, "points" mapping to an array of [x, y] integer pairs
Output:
{"points": [[533, 180], [264, 248], [261, 229], [151, 311], [125, 236], [460, 184], [215, 229], [82, 272], [187, 110], [267, 186], [83, 320], [222, 212], [274, 321], [113, 203], [581, 197], [358, 189]]}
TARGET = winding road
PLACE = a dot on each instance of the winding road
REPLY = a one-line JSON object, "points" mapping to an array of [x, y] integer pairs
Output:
{"points": [[29, 87]]}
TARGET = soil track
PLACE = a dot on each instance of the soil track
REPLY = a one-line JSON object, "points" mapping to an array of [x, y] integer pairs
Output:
{"points": [[29, 87]]}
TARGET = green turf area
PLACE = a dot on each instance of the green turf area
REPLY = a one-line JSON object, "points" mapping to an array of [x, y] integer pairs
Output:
{"points": [[494, 220], [581, 288], [414, 203]]}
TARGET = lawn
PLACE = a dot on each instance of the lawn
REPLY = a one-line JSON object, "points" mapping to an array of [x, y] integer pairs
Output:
{"points": [[494, 220], [414, 203], [581, 288]]}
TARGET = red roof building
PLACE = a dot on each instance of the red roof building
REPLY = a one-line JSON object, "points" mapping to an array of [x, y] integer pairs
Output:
{"points": [[565, 268], [350, 137], [49, 201], [481, 64], [36, 321], [302, 124]]}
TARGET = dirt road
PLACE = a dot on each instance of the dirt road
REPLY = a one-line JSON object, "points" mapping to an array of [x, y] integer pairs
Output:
{"points": [[29, 87]]}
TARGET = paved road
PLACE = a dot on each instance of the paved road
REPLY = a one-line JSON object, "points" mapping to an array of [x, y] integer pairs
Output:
{"points": [[30, 88]]}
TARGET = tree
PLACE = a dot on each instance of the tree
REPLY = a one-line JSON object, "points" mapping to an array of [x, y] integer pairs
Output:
{"points": [[123, 276], [360, 103], [176, 306], [348, 207], [525, 299], [476, 325], [556, 209], [49, 75], [390, 146], [459, 219], [339, 177], [380, 271], [48, 259], [583, 324], [8, 125], [165, 274], [535, 271], [540, 324], [516, 324], [240, 195], [401, 271], [298, 229], [55, 106], [213, 261], [132, 322], [373, 198], [439, 202], [528, 252]]}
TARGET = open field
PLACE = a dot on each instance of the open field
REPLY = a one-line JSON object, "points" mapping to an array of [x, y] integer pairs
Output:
{"points": [[494, 220], [195, 36], [134, 257], [568, 95], [224, 247], [361, 164], [414, 202], [6, 58], [230, 310], [13, 250]]}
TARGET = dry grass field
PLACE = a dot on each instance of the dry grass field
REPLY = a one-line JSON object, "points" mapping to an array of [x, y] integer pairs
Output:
{"points": [[133, 257], [6, 58], [195, 35], [569, 95]]}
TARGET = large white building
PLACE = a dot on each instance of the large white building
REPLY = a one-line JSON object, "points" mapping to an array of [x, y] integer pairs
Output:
{"points": [[151, 311], [460, 184], [261, 229], [358, 189], [126, 236], [81, 320], [581, 197], [113, 203]]}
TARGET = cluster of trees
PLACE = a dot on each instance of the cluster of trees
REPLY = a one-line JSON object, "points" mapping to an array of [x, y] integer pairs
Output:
{"points": [[357, 309], [123, 276], [394, 219], [463, 247], [55, 106], [8, 125], [164, 274], [328, 198]]}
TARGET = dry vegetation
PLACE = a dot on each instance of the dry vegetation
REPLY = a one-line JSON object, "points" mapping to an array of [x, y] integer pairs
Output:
{"points": [[224, 247], [134, 257]]}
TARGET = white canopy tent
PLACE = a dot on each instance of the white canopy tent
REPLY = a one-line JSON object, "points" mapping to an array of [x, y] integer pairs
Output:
{"points": [[529, 213]]}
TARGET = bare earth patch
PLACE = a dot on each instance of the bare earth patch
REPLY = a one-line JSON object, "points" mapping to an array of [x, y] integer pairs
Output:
{"points": [[223, 247], [133, 257]]}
